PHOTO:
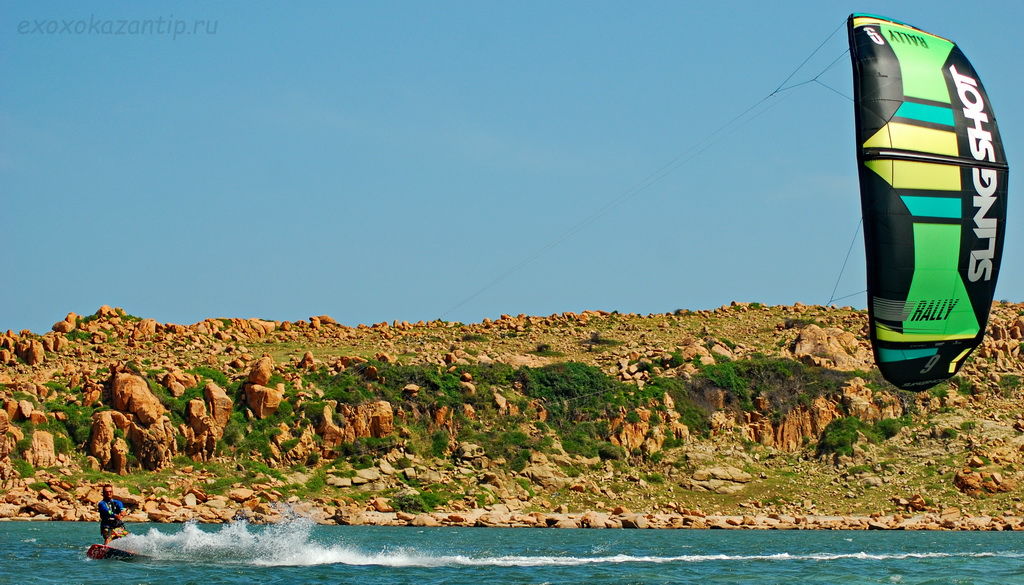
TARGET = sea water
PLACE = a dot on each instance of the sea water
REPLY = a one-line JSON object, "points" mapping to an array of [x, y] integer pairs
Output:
{"points": [[300, 552]]}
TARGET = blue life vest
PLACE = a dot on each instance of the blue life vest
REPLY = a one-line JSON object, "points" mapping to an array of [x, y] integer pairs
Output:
{"points": [[109, 511]]}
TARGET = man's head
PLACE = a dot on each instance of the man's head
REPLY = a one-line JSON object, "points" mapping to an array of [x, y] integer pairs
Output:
{"points": [[108, 491]]}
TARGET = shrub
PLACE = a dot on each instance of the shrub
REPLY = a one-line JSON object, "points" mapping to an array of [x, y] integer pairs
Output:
{"points": [[78, 335], [890, 427], [608, 451], [78, 421], [214, 375], [439, 443], [316, 482], [696, 418], [840, 435], [409, 503], [24, 468], [545, 350], [675, 360], [571, 390]]}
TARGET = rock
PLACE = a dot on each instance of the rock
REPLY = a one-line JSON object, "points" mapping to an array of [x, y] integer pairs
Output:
{"points": [[872, 481], [144, 329], [202, 432], [831, 347], [546, 475], [130, 393], [101, 438], [424, 520], [262, 400], [339, 482], [30, 350], [372, 419], [154, 446], [306, 362], [261, 371], [241, 494], [721, 480], [369, 474], [634, 521], [594, 520], [332, 434], [119, 457], [41, 453], [23, 411], [566, 522], [67, 325], [469, 451], [219, 403]]}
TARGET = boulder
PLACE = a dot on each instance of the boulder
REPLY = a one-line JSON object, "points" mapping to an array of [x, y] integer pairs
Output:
{"points": [[130, 393], [144, 329], [425, 520], [119, 457], [202, 432], [219, 403], [101, 437], [261, 371], [721, 480], [30, 350], [332, 434], [41, 453], [154, 446], [263, 400], [546, 475], [241, 494], [372, 419], [23, 410], [831, 347]]}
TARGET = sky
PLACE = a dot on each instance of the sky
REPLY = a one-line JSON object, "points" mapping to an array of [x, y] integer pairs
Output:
{"points": [[400, 160]]}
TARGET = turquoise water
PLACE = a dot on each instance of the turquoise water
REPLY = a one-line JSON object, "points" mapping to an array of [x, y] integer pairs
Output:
{"points": [[301, 552]]}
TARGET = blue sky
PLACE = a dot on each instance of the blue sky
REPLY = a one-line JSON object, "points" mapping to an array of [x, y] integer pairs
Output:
{"points": [[414, 160]]}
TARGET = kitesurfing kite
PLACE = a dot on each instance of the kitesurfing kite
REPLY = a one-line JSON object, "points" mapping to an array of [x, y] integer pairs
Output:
{"points": [[933, 194]]}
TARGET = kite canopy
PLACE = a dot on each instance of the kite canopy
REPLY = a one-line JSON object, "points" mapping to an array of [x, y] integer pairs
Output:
{"points": [[933, 193]]}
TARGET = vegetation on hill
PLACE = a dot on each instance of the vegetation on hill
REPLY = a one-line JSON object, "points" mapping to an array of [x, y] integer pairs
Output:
{"points": [[574, 410]]}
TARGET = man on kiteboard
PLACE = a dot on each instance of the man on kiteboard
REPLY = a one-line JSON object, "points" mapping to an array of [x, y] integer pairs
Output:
{"points": [[111, 510]]}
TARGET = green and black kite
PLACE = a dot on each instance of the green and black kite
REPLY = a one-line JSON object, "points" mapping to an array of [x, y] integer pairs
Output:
{"points": [[933, 192]]}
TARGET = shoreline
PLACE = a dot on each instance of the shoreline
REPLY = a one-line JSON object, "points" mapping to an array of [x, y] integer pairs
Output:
{"points": [[378, 513], [62, 501]]}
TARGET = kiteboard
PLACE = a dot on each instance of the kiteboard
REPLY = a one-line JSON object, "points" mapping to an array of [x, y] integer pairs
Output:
{"points": [[99, 551]]}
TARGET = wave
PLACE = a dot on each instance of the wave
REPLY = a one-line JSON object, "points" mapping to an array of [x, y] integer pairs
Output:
{"points": [[291, 544]]}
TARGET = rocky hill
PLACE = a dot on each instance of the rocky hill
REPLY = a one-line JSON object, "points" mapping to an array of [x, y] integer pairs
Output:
{"points": [[747, 415]]}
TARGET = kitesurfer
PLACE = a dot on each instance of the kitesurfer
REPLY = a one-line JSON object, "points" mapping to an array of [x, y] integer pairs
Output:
{"points": [[111, 510]]}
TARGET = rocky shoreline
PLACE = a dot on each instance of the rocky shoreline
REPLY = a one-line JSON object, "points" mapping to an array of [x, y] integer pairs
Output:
{"points": [[71, 503], [496, 424]]}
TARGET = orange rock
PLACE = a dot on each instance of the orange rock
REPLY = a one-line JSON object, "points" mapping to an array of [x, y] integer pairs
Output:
{"points": [[219, 402], [263, 400], [261, 371], [130, 393], [30, 350], [41, 453]]}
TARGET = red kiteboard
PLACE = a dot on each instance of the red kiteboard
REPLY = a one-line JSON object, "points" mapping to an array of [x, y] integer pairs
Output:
{"points": [[99, 551]]}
